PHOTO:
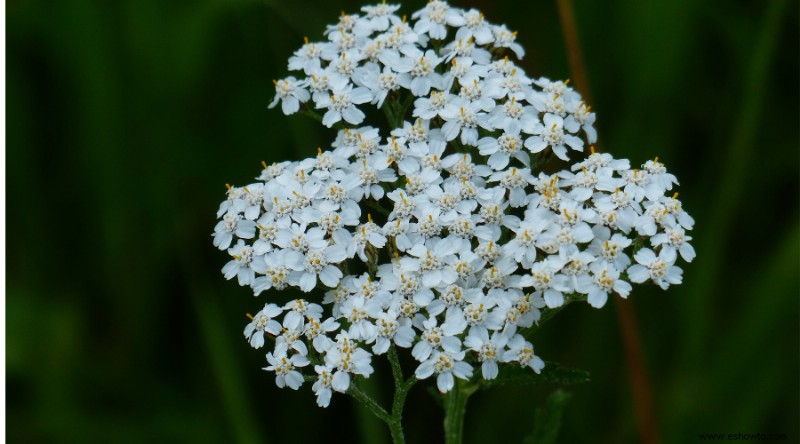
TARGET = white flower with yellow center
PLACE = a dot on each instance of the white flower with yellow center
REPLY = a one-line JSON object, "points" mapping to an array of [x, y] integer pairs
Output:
{"points": [[489, 350], [605, 278], [342, 104], [521, 351], [290, 92], [242, 264], [285, 367], [551, 134], [674, 237], [660, 269], [263, 323], [447, 366], [503, 38]]}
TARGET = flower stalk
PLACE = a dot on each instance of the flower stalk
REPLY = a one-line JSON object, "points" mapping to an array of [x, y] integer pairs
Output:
{"points": [[455, 409]]}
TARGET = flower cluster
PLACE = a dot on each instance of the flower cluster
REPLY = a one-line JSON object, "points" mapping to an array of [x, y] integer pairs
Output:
{"points": [[439, 235]]}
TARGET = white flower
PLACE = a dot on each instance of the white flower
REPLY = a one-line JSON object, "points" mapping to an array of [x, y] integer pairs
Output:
{"points": [[446, 365], [521, 351], [365, 180], [342, 104], [242, 264], [306, 57], [610, 247], [514, 180], [318, 263], [489, 350], [318, 333], [508, 82], [357, 310], [659, 175], [368, 233], [465, 71], [380, 83], [275, 270], [433, 260], [675, 238], [396, 150], [291, 338], [347, 359], [290, 92], [514, 117], [551, 134], [523, 247], [674, 207], [430, 107], [654, 215], [263, 322], [391, 329], [503, 38], [299, 309], [585, 119], [232, 225], [285, 367], [322, 386], [465, 48], [417, 71], [433, 18], [381, 16], [604, 280], [435, 337], [521, 310], [475, 27], [660, 269], [545, 279], [640, 185]]}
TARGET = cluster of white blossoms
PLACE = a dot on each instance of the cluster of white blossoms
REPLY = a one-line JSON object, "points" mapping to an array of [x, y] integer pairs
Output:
{"points": [[437, 235]]}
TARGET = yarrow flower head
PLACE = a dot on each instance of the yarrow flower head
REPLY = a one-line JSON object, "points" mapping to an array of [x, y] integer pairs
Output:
{"points": [[443, 235]]}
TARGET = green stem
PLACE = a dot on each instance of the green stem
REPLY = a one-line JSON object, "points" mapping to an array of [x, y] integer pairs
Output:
{"points": [[369, 403], [394, 419], [401, 391], [455, 407]]}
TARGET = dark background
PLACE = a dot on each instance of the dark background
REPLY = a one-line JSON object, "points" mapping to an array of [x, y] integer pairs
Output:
{"points": [[126, 118]]}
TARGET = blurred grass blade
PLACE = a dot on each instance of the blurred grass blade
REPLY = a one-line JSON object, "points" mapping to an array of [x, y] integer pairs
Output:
{"points": [[735, 171], [547, 420]]}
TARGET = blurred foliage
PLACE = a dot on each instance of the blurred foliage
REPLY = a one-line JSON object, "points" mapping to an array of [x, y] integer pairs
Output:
{"points": [[125, 118]]}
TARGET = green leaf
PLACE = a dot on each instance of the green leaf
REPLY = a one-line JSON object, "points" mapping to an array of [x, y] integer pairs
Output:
{"points": [[552, 373], [547, 420]]}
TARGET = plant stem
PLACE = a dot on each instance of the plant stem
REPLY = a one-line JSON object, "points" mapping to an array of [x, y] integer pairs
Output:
{"points": [[394, 419], [455, 407], [369, 403], [401, 391]]}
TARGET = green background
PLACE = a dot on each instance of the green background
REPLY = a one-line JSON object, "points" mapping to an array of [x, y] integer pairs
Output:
{"points": [[126, 118]]}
